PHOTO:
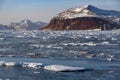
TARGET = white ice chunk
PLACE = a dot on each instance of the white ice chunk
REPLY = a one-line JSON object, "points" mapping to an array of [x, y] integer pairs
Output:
{"points": [[60, 68], [32, 65], [21, 64], [105, 43], [12, 64]]}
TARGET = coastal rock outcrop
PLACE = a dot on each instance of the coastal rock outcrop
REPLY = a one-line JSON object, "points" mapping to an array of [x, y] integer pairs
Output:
{"points": [[87, 17]]}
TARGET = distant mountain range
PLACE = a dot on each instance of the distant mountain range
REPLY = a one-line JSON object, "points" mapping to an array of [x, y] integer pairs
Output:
{"points": [[87, 17], [23, 25], [4, 27]]}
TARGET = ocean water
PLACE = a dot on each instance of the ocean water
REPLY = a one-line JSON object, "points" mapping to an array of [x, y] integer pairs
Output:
{"points": [[98, 51]]}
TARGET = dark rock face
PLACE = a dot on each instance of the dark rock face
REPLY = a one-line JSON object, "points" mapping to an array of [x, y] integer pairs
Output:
{"points": [[81, 23]]}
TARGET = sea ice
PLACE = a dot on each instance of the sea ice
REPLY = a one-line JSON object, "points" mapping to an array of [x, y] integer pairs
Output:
{"points": [[12, 64], [21, 64], [32, 65], [2, 63], [61, 68]]}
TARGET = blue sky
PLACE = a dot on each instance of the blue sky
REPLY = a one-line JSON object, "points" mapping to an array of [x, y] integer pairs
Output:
{"points": [[44, 10]]}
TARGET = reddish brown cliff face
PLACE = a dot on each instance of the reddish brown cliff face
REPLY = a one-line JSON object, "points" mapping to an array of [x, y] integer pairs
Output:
{"points": [[82, 23]]}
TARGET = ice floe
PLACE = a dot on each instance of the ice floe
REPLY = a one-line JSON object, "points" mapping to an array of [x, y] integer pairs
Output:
{"points": [[21, 64], [32, 65], [12, 64], [62, 68], [79, 44]]}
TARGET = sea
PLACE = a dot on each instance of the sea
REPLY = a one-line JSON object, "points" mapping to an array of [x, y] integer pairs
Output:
{"points": [[97, 51]]}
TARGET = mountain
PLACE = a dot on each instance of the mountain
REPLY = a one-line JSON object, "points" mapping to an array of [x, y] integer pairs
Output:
{"points": [[85, 18], [5, 27], [27, 25]]}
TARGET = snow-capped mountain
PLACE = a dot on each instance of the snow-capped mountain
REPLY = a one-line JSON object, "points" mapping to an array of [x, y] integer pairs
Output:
{"points": [[89, 11], [86, 17], [27, 25]]}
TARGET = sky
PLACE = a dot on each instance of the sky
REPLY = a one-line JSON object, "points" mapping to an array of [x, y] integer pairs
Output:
{"points": [[44, 10]]}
